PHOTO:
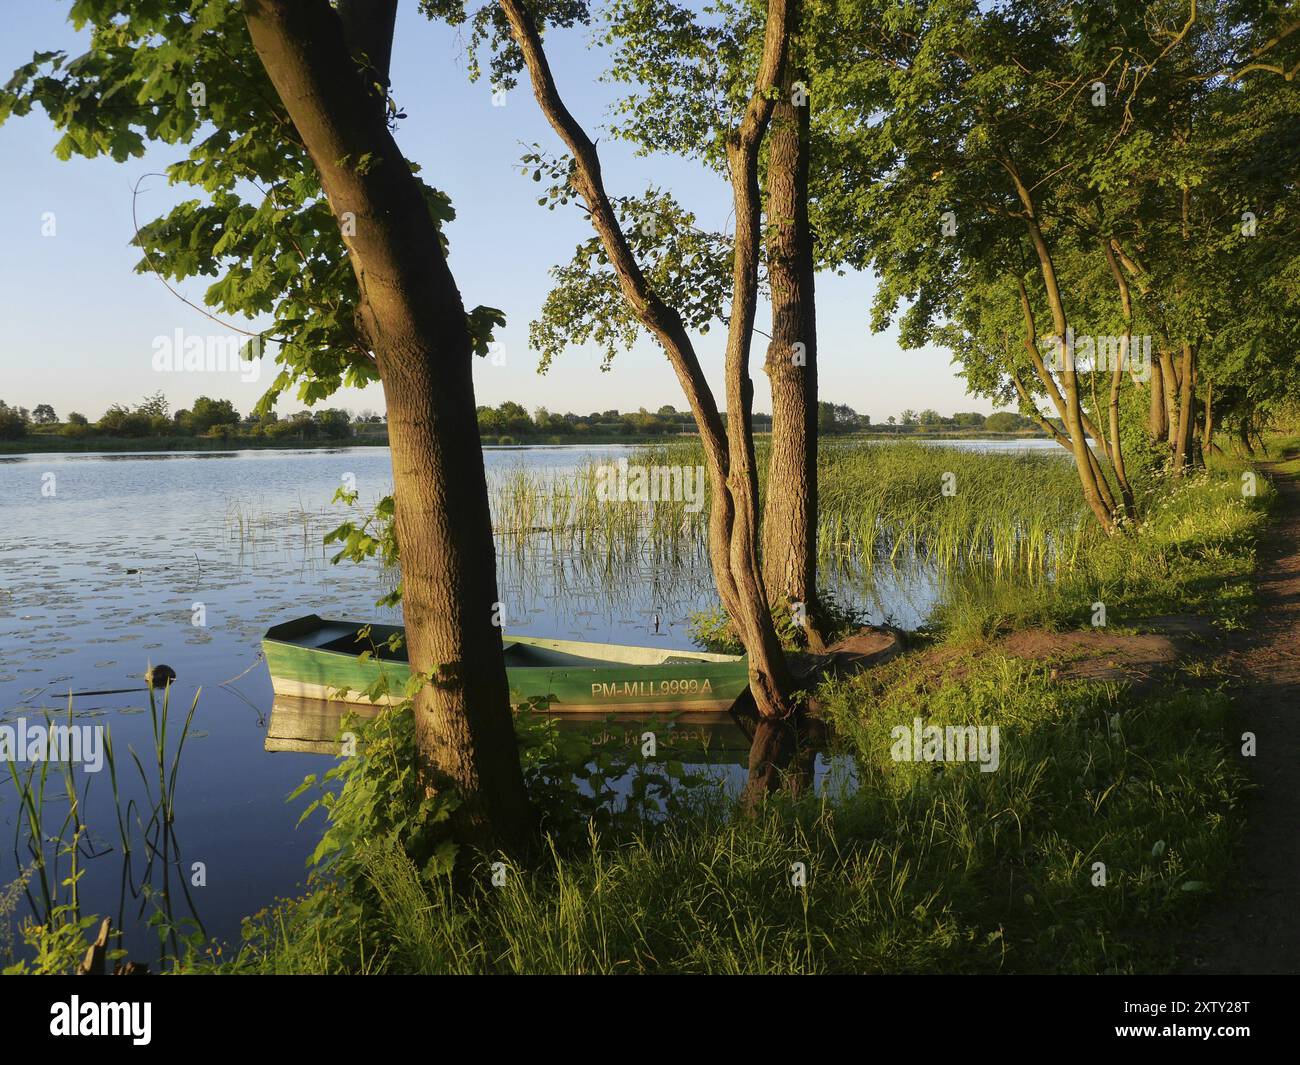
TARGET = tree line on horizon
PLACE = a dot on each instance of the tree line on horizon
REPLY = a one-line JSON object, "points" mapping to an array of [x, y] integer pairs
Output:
{"points": [[206, 418], [218, 419]]}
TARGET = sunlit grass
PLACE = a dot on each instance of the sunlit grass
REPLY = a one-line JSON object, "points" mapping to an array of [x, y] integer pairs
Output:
{"points": [[1192, 555]]}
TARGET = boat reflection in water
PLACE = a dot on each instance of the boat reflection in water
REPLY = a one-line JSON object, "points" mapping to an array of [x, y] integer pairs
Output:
{"points": [[732, 746], [313, 726]]}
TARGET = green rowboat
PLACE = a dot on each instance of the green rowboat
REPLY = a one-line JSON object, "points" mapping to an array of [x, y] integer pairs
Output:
{"points": [[317, 658]]}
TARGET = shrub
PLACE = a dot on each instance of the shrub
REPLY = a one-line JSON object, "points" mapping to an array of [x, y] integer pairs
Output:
{"points": [[13, 422]]}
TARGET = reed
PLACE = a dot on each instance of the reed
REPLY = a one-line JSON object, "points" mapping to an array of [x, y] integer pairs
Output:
{"points": [[949, 509], [879, 503], [567, 509], [46, 847], [51, 856]]}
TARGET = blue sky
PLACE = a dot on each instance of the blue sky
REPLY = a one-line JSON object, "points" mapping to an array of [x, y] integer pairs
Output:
{"points": [[80, 325]]}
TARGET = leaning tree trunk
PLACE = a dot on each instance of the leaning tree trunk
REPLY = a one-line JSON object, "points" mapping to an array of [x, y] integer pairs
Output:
{"points": [[728, 450], [413, 319], [1091, 481], [790, 509], [1058, 400]]}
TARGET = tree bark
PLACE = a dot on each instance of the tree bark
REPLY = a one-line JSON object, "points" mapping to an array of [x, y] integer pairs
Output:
{"points": [[1187, 369], [412, 316], [790, 509], [1207, 428], [754, 619], [1117, 380], [1157, 424], [1058, 401], [1162, 410], [1169, 379], [728, 450], [1186, 384], [368, 29]]}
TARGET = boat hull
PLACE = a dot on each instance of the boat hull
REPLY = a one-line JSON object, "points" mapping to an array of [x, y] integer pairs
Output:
{"points": [[314, 658]]}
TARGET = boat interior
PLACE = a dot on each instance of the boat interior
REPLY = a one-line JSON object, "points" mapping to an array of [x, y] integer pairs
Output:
{"points": [[352, 639]]}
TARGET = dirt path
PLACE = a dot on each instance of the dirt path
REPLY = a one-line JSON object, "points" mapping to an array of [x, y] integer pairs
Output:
{"points": [[1258, 929]]}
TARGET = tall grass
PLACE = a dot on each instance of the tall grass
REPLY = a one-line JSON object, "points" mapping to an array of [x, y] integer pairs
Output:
{"points": [[567, 509]]}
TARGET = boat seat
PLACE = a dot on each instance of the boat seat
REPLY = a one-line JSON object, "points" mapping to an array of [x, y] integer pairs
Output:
{"points": [[378, 648]]}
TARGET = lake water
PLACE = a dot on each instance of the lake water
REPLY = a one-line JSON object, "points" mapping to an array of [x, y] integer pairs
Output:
{"points": [[110, 563]]}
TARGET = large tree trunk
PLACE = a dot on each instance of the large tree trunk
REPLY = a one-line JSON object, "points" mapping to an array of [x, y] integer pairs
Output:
{"points": [[414, 321], [773, 681], [728, 451], [790, 509]]}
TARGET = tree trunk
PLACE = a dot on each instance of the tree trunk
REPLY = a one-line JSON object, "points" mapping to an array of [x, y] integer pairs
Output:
{"points": [[1186, 384], [728, 451], [1157, 422], [1058, 401], [790, 509], [1207, 428], [1169, 379], [754, 620], [414, 321], [1182, 440], [1095, 491], [1159, 411], [1117, 443], [1117, 381]]}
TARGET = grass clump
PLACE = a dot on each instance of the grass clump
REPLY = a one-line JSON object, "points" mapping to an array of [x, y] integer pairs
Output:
{"points": [[1192, 554]]}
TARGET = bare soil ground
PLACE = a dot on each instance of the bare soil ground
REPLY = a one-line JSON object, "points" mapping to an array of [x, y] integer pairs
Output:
{"points": [[1097, 655], [1139, 659]]}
